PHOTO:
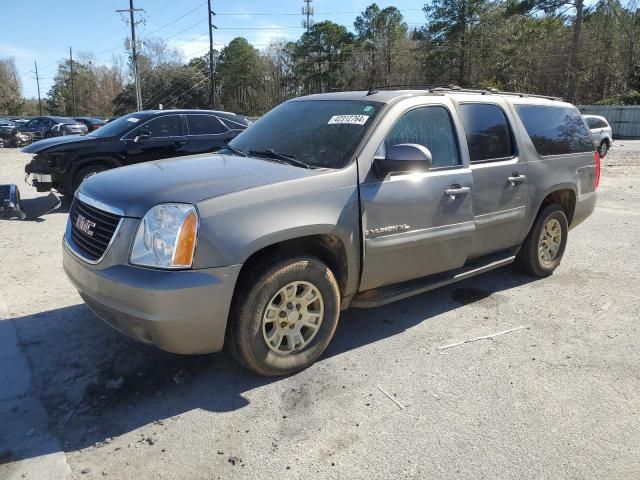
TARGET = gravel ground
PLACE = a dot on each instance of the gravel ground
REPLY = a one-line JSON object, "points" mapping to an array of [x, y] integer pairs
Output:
{"points": [[557, 399]]}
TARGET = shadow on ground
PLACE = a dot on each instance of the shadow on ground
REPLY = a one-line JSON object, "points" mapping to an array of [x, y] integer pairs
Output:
{"points": [[88, 375]]}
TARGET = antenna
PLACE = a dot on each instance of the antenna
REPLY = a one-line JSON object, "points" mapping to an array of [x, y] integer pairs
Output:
{"points": [[308, 12]]}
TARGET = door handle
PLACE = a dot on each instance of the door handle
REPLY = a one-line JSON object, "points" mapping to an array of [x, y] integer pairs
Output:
{"points": [[180, 143], [457, 191], [516, 178]]}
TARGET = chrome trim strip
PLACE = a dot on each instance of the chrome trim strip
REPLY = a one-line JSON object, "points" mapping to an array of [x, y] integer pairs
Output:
{"points": [[501, 216], [68, 242], [99, 205]]}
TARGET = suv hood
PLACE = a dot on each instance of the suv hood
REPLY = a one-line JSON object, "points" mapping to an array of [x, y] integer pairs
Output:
{"points": [[63, 141], [137, 188]]}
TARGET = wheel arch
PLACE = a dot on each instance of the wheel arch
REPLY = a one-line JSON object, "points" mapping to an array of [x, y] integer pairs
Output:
{"points": [[79, 164], [327, 246], [564, 195]]}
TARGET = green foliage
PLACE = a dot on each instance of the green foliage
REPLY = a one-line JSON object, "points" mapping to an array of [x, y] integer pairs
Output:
{"points": [[320, 57]]}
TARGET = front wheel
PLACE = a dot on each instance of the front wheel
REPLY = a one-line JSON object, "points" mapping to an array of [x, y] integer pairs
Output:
{"points": [[285, 316], [544, 247], [85, 173]]}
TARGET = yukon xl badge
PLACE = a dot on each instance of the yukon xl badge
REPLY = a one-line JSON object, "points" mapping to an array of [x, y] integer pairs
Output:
{"points": [[391, 229], [84, 225]]}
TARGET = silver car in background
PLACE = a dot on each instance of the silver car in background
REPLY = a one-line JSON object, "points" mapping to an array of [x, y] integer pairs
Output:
{"points": [[601, 132]]}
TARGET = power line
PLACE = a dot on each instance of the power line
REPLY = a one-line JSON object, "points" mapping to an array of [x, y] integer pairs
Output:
{"points": [[175, 20]]}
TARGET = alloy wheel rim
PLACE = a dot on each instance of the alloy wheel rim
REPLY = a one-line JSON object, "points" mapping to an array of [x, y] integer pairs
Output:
{"points": [[292, 317], [550, 241]]}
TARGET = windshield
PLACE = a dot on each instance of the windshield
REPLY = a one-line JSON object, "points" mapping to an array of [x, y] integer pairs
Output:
{"points": [[320, 133], [118, 126]]}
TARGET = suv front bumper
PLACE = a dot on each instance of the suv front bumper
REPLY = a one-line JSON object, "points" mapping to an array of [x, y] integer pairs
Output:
{"points": [[177, 311]]}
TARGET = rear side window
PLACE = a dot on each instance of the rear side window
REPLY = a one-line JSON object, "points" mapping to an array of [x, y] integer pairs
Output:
{"points": [[430, 127], [488, 133], [165, 126], [555, 130], [204, 125]]}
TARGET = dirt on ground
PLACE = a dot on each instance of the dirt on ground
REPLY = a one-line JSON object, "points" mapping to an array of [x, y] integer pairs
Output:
{"points": [[558, 398]]}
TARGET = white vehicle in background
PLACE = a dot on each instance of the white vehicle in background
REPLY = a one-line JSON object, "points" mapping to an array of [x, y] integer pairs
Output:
{"points": [[601, 132]]}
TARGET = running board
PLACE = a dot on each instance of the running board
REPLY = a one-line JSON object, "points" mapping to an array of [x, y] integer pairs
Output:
{"points": [[382, 296]]}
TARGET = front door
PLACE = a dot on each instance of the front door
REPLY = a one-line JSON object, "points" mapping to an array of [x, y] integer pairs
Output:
{"points": [[499, 177], [421, 223], [165, 140]]}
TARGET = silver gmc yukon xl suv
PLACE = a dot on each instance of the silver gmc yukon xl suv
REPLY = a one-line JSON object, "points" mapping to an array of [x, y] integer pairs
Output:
{"points": [[328, 201]]}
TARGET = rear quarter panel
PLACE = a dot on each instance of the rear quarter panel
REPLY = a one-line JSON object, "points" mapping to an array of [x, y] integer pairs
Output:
{"points": [[546, 174]]}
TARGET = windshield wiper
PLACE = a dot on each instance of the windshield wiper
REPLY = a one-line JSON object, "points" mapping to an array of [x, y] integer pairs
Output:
{"points": [[271, 153], [233, 150]]}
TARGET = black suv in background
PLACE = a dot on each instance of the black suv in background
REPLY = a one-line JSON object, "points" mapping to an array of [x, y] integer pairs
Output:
{"points": [[63, 163]]}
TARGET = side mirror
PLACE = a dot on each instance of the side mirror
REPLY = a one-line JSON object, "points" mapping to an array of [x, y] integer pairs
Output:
{"points": [[141, 137], [404, 158]]}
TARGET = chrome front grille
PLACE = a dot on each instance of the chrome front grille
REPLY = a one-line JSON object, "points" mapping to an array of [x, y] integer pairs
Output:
{"points": [[92, 229]]}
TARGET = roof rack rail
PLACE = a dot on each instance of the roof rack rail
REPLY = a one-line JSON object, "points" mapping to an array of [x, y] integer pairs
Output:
{"points": [[457, 89]]}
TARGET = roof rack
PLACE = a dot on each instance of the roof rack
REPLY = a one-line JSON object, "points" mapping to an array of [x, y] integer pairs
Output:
{"points": [[457, 89]]}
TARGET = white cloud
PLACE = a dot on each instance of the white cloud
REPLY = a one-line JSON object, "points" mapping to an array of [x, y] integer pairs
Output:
{"points": [[19, 53]]}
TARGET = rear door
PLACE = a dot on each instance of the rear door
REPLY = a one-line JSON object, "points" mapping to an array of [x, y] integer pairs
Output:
{"points": [[499, 176], [205, 133], [166, 140], [412, 226], [595, 128]]}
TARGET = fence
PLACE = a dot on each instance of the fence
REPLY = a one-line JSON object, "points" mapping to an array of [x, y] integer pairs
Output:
{"points": [[625, 121]]}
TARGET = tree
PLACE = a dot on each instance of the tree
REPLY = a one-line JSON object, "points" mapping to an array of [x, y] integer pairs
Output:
{"points": [[382, 34], [450, 26], [11, 101], [241, 73], [320, 57]]}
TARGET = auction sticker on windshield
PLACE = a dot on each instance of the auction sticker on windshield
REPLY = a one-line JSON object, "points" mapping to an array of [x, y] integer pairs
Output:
{"points": [[348, 119]]}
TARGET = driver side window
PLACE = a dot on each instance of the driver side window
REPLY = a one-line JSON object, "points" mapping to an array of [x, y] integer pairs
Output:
{"points": [[428, 126], [165, 126]]}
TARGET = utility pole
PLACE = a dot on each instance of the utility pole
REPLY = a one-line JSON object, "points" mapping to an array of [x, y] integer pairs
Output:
{"points": [[212, 74], [134, 53], [73, 91], [308, 12], [38, 83]]}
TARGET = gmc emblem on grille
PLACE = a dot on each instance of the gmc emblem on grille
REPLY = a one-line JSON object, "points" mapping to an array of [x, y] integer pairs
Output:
{"points": [[84, 225]]}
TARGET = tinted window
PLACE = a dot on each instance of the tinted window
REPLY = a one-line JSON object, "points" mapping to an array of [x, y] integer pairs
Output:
{"points": [[601, 123], [119, 126], [488, 133], [555, 130], [591, 122], [321, 133], [204, 125], [430, 127], [165, 126]]}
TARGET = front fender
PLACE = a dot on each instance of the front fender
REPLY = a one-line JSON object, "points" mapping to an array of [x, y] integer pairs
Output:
{"points": [[235, 226]]}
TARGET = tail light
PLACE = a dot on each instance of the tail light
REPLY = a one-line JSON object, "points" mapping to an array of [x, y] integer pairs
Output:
{"points": [[596, 178]]}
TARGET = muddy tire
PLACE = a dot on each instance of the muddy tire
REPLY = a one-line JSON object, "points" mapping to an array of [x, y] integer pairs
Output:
{"points": [[284, 315], [544, 247]]}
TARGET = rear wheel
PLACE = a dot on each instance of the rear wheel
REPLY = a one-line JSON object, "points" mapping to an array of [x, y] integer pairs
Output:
{"points": [[86, 172], [544, 247], [285, 316], [603, 149]]}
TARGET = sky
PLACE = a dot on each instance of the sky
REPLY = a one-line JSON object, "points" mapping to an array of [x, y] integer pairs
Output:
{"points": [[43, 30]]}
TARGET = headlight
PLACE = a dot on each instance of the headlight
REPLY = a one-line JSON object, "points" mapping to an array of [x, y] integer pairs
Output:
{"points": [[166, 237]]}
